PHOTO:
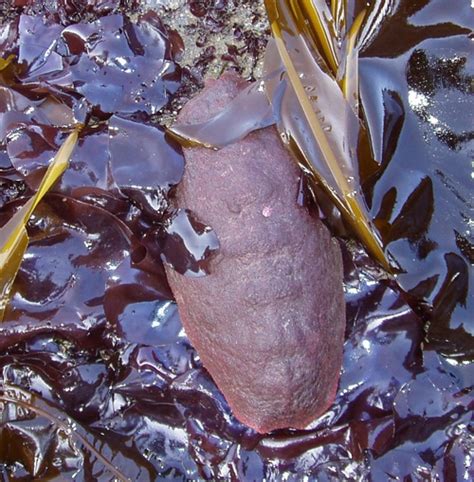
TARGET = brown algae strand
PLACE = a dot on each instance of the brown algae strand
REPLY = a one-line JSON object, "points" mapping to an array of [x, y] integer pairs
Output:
{"points": [[268, 322]]}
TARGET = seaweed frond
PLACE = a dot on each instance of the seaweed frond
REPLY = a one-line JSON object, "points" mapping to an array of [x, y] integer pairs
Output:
{"points": [[13, 235], [319, 110]]}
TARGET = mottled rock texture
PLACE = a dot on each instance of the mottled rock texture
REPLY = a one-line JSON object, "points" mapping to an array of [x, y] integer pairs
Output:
{"points": [[268, 322]]}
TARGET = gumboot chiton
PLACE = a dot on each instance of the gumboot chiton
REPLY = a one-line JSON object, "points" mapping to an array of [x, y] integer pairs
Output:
{"points": [[268, 322]]}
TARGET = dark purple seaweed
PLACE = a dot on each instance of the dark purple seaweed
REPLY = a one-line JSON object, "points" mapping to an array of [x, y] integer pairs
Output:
{"points": [[106, 350]]}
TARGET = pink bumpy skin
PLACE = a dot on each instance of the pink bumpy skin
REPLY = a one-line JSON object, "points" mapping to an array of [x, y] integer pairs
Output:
{"points": [[268, 322]]}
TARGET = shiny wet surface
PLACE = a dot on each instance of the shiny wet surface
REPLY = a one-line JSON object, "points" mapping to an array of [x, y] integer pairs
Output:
{"points": [[97, 372]]}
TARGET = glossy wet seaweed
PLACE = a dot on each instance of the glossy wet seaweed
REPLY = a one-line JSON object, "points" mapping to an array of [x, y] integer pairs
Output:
{"points": [[96, 369]]}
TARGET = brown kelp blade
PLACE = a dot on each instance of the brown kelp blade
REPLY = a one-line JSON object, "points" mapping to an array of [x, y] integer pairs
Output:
{"points": [[338, 12], [4, 63], [349, 69], [249, 111], [13, 235], [317, 118], [10, 261], [316, 22]]}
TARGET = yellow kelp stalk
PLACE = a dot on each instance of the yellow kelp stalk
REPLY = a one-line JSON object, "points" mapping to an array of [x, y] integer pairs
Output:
{"points": [[319, 111], [13, 235]]}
